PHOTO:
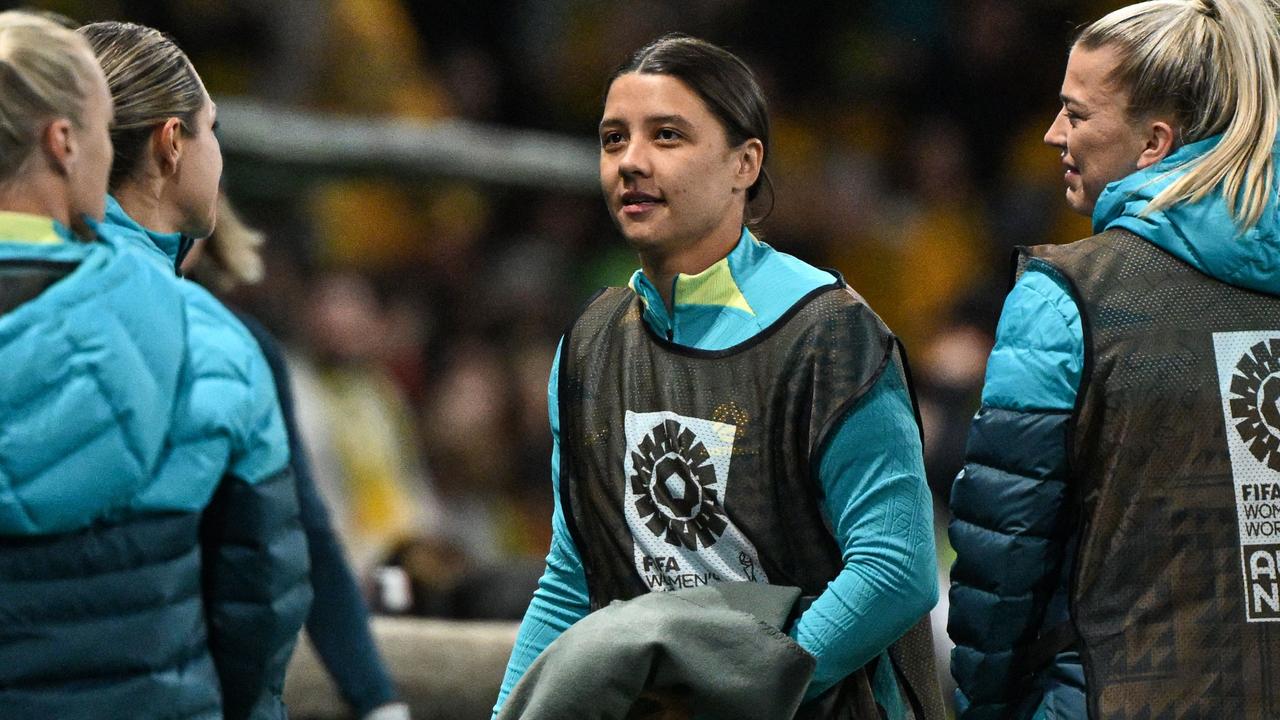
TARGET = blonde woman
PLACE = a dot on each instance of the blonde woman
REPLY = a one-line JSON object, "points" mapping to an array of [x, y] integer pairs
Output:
{"points": [[144, 515], [164, 180], [1114, 554], [228, 459]]}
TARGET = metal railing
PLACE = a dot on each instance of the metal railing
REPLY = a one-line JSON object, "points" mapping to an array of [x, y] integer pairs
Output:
{"points": [[286, 144]]}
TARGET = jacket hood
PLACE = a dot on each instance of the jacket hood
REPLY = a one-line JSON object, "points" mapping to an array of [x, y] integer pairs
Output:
{"points": [[90, 384], [1204, 233]]}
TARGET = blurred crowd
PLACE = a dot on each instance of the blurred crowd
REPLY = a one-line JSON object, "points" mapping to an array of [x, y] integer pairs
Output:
{"points": [[421, 318]]}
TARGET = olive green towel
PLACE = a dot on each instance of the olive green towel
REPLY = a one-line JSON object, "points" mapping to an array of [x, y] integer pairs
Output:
{"points": [[718, 651]]}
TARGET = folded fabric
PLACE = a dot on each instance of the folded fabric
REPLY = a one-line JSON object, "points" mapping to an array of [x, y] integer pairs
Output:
{"points": [[719, 651]]}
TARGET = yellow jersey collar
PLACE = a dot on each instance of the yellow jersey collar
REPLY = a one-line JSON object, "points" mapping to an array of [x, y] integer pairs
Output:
{"points": [[31, 229], [714, 286]]}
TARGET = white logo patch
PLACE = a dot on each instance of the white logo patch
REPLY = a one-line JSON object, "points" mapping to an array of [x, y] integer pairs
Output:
{"points": [[677, 471], [1249, 378]]}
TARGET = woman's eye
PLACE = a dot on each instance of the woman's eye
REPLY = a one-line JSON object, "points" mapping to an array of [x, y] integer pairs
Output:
{"points": [[668, 135], [610, 138]]}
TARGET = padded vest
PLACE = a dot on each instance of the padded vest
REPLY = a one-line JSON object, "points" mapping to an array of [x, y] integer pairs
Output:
{"points": [[1175, 461], [108, 618], [683, 467]]}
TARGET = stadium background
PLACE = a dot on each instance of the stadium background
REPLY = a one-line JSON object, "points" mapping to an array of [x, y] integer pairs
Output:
{"points": [[425, 174]]}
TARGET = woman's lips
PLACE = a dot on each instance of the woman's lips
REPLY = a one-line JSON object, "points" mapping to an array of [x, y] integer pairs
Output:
{"points": [[637, 203]]}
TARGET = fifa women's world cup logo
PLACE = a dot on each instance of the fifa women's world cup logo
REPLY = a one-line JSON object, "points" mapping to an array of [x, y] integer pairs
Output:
{"points": [[677, 481], [1249, 380], [674, 484], [1255, 401]]}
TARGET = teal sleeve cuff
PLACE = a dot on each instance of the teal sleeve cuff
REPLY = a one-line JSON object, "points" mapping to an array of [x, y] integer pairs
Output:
{"points": [[881, 511], [1039, 352]]}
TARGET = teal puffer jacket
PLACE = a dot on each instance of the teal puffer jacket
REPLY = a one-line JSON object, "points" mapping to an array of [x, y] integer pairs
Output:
{"points": [[151, 560]]}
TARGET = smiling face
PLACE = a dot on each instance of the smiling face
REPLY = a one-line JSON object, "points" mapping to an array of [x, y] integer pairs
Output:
{"points": [[670, 178], [1098, 141]]}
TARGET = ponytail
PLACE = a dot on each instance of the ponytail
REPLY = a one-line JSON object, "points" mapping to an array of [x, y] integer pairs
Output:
{"points": [[1215, 65]]}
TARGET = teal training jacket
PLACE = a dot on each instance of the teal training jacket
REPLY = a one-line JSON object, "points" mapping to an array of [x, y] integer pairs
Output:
{"points": [[151, 560]]}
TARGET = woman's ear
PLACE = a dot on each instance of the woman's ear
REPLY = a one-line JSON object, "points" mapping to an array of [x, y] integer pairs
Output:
{"points": [[59, 144], [750, 155], [167, 144], [1161, 141]]}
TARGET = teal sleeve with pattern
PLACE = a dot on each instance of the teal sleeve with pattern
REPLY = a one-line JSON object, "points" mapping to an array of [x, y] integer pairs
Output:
{"points": [[878, 503]]}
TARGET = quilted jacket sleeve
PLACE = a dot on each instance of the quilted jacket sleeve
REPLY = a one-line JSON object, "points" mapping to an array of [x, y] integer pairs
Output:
{"points": [[256, 584], [1009, 525], [256, 591]]}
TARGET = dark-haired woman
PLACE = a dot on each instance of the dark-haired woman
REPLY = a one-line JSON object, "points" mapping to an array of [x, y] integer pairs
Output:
{"points": [[735, 414]]}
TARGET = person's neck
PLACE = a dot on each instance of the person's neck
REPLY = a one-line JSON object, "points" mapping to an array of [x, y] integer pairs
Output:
{"points": [[36, 197], [146, 207], [662, 267]]}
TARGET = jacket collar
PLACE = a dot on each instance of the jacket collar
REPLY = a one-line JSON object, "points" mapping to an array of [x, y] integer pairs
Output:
{"points": [[32, 229], [172, 246], [695, 298]]}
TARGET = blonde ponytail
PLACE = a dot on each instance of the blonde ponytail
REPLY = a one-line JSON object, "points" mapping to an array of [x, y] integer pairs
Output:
{"points": [[1215, 65], [45, 73], [232, 255]]}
